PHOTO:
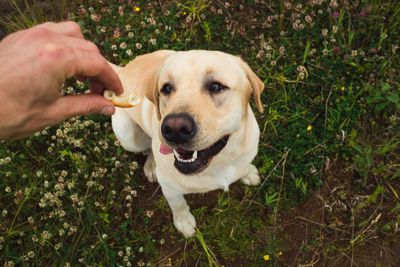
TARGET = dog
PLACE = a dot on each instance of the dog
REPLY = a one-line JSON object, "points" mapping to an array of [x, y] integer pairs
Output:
{"points": [[194, 121]]}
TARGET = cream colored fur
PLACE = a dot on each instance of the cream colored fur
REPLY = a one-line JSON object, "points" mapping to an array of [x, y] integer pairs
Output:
{"points": [[229, 112]]}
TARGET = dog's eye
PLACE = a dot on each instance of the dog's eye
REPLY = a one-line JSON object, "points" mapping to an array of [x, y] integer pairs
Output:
{"points": [[216, 87], [166, 89]]}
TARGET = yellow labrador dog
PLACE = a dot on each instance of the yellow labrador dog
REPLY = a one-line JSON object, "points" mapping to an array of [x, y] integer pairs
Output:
{"points": [[195, 122]]}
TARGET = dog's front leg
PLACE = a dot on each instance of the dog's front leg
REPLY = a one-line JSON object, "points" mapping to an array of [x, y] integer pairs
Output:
{"points": [[251, 177], [184, 221]]}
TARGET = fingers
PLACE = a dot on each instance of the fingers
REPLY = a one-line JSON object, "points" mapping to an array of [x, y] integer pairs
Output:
{"points": [[83, 58], [85, 64], [69, 106], [80, 44], [95, 66], [96, 87], [68, 28]]}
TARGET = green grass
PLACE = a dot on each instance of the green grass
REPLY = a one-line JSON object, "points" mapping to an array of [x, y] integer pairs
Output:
{"points": [[330, 143], [27, 13]]}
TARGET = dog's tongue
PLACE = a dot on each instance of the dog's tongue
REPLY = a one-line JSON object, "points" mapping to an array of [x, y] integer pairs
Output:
{"points": [[164, 149]]}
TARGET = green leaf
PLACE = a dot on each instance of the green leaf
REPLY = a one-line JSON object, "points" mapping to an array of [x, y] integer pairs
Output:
{"points": [[385, 87], [394, 98]]}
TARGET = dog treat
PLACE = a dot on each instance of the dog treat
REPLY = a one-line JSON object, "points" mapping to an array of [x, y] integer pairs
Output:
{"points": [[122, 101]]}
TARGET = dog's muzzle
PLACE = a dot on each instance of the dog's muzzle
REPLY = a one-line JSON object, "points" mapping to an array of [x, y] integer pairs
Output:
{"points": [[179, 130]]}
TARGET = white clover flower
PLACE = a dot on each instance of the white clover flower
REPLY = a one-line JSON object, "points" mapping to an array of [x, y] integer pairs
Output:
{"points": [[74, 198], [149, 213], [31, 220], [31, 254], [61, 232], [61, 213], [46, 235]]}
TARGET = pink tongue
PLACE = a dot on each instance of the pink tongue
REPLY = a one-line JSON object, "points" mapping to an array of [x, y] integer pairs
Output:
{"points": [[165, 149]]}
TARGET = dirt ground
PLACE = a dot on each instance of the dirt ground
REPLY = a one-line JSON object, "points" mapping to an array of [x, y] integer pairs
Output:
{"points": [[316, 233]]}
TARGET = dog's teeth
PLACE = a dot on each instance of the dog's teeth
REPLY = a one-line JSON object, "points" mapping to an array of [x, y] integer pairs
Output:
{"points": [[178, 157]]}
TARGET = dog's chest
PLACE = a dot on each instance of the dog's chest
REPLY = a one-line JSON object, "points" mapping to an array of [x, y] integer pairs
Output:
{"points": [[209, 180]]}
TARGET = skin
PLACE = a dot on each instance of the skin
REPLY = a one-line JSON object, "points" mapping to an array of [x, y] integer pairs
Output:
{"points": [[34, 65]]}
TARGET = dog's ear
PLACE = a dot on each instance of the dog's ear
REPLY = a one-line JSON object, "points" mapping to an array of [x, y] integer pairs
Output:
{"points": [[257, 85], [146, 68], [151, 74]]}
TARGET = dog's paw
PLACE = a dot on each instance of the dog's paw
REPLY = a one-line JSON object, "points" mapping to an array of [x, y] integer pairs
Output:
{"points": [[185, 223], [149, 168], [252, 177]]}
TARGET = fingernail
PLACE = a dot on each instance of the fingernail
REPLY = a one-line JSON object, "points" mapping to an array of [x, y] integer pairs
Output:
{"points": [[108, 110]]}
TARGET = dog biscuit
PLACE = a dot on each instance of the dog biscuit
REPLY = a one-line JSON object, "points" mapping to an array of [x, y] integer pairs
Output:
{"points": [[122, 101]]}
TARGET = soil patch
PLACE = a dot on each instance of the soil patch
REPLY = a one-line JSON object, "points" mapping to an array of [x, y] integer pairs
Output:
{"points": [[321, 231]]}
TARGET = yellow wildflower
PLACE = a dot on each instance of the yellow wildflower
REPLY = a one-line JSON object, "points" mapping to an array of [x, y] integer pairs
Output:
{"points": [[343, 88], [137, 9], [266, 257], [309, 127]]}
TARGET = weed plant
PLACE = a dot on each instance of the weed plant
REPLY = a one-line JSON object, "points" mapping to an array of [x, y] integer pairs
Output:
{"points": [[70, 195]]}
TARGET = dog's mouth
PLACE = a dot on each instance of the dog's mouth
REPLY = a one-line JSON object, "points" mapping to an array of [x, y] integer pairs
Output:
{"points": [[191, 162]]}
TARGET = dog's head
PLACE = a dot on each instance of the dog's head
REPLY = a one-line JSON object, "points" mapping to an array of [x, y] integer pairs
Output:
{"points": [[201, 98]]}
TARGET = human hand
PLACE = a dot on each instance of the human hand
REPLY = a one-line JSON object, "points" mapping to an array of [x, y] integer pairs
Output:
{"points": [[34, 65]]}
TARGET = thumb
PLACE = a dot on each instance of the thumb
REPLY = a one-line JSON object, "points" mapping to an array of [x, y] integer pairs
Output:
{"points": [[86, 104]]}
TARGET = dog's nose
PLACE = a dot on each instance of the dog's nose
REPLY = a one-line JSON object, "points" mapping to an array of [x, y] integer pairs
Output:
{"points": [[178, 128]]}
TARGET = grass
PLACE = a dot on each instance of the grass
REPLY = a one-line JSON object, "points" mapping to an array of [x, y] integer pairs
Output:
{"points": [[25, 14], [328, 154]]}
